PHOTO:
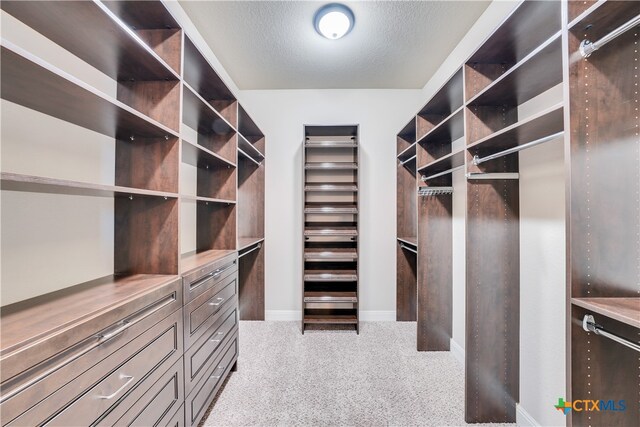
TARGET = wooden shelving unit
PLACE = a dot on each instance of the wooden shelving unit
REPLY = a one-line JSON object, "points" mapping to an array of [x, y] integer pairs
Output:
{"points": [[603, 230], [330, 256], [187, 196], [406, 226]]}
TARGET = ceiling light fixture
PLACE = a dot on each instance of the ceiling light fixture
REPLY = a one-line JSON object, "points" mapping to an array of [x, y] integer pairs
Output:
{"points": [[334, 21]]}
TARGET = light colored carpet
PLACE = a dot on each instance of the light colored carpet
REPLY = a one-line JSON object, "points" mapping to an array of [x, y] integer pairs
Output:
{"points": [[338, 378]]}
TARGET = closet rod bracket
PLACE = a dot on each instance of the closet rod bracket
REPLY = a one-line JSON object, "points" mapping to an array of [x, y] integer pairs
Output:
{"points": [[589, 325]]}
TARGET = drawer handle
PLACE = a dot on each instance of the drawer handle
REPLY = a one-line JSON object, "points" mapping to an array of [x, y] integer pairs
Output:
{"points": [[213, 274], [115, 393], [219, 333], [217, 369], [215, 304]]}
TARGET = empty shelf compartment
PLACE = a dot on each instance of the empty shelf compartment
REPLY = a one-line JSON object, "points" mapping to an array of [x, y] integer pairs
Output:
{"points": [[330, 255], [331, 186], [330, 275], [331, 166], [330, 208], [330, 297]]}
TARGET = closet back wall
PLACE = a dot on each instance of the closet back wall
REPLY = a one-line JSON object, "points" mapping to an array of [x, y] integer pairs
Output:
{"points": [[380, 114]]}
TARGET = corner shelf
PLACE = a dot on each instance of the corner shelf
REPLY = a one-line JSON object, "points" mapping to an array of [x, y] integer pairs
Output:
{"points": [[625, 310], [35, 84]]}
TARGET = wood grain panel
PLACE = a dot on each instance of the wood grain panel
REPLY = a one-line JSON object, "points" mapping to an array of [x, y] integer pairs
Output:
{"points": [[215, 226], [250, 198], [217, 182], [149, 163], [146, 235], [406, 285], [482, 121], [435, 281], [224, 145], [227, 109], [159, 100], [166, 43], [406, 203], [493, 301], [251, 279], [478, 76]]}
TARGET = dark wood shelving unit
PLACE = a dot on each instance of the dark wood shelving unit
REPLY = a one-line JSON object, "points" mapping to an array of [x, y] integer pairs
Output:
{"points": [[330, 234], [442, 164], [406, 225], [445, 102], [603, 224], [437, 142], [167, 184]]}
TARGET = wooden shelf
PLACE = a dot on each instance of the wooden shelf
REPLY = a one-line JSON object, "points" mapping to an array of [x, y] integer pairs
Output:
{"points": [[408, 133], [245, 242], [330, 208], [449, 130], [547, 122], [198, 156], [331, 166], [142, 15], [446, 100], [330, 254], [535, 73], [39, 184], [330, 297], [603, 17], [444, 163], [35, 84], [193, 261], [330, 319], [41, 318], [330, 144], [407, 153], [625, 310], [191, 198], [247, 127], [199, 115], [330, 275], [201, 77], [413, 241], [349, 231], [331, 187], [96, 35], [526, 28], [249, 150]]}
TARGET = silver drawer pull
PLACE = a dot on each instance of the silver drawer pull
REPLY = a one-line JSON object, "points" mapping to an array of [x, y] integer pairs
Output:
{"points": [[115, 393], [217, 369], [215, 304], [125, 325], [213, 275], [219, 333]]}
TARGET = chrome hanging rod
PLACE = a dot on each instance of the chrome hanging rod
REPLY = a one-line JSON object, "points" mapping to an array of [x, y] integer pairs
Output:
{"points": [[448, 171], [408, 160], [258, 246], [496, 175], [249, 157], [589, 324], [587, 47], [478, 160], [434, 191], [408, 248]]}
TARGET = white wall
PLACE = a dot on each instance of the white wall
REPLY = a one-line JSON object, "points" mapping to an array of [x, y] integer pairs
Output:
{"points": [[281, 115]]}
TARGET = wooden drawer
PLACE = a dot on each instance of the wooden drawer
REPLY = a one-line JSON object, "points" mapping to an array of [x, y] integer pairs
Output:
{"points": [[75, 365], [178, 418], [158, 404], [207, 348], [199, 400], [201, 280], [203, 311], [107, 386]]}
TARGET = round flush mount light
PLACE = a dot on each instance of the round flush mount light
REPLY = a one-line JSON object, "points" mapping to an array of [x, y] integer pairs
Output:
{"points": [[334, 21]]}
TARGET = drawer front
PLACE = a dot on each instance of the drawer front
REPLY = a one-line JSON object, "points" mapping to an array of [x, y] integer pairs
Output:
{"points": [[197, 403], [207, 349], [43, 389], [203, 311], [178, 419], [107, 387], [199, 281], [159, 404]]}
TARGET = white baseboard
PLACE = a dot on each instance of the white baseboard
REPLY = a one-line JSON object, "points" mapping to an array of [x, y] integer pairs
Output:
{"points": [[283, 315], [524, 419], [294, 315], [457, 351]]}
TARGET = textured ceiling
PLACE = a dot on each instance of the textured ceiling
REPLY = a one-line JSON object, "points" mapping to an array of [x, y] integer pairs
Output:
{"points": [[273, 44]]}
